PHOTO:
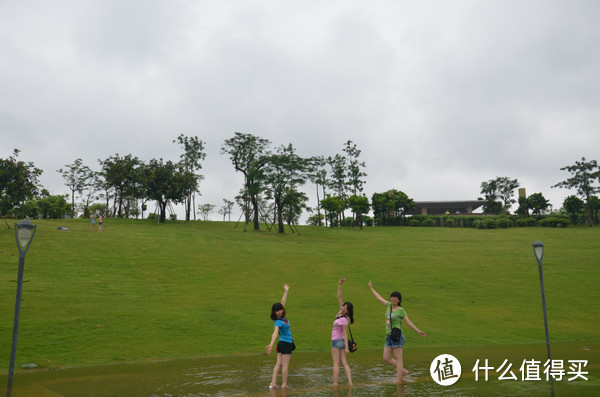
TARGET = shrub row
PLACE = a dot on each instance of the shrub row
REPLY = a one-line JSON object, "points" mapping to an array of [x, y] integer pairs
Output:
{"points": [[479, 221]]}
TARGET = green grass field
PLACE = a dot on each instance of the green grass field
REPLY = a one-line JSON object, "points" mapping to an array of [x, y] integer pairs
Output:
{"points": [[140, 292]]}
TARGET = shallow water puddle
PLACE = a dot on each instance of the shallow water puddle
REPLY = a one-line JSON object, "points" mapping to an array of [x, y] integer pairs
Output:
{"points": [[310, 375]]}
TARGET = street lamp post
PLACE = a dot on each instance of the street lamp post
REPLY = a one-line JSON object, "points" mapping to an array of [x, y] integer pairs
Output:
{"points": [[24, 232], [538, 250]]}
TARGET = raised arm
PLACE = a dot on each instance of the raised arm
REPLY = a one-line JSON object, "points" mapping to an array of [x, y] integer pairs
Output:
{"points": [[379, 298], [285, 292], [339, 291], [410, 324]]}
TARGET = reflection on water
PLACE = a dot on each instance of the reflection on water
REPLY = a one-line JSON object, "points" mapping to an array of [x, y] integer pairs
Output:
{"points": [[310, 375]]}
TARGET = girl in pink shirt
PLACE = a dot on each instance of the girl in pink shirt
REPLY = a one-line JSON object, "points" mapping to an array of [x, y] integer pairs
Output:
{"points": [[339, 336]]}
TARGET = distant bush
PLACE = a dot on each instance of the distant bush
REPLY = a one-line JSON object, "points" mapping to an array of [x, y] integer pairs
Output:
{"points": [[486, 223], [504, 223], [152, 216], [554, 221], [525, 222], [414, 222], [450, 222], [428, 222]]}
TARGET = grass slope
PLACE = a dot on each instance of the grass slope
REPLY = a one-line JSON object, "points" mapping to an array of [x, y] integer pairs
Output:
{"points": [[141, 291]]}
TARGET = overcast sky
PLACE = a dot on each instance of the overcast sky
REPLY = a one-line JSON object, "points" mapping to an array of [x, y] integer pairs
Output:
{"points": [[438, 95]]}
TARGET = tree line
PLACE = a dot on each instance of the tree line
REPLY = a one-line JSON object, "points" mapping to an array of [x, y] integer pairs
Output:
{"points": [[270, 194]]}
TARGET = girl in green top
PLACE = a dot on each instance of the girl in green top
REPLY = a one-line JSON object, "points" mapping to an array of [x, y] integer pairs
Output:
{"points": [[394, 315]]}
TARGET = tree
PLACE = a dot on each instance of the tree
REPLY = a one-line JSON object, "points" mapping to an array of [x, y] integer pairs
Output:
{"points": [[523, 209], [91, 190], [318, 176], [284, 173], [205, 210], [334, 206], [18, 184], [354, 173], [47, 206], [76, 176], [573, 206], [594, 203], [120, 174], [537, 203], [338, 181], [164, 182], [225, 210], [191, 162], [498, 194], [359, 206], [249, 155], [294, 203], [383, 206], [585, 176], [393, 203]]}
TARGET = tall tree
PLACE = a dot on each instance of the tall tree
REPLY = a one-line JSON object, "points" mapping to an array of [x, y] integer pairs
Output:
{"points": [[359, 206], [498, 194], [334, 207], [573, 206], [354, 173], [585, 177], [537, 203], [339, 179], [394, 203], [165, 183], [120, 174], [190, 163], [76, 176], [18, 184], [249, 155], [284, 173], [225, 210], [318, 176]]}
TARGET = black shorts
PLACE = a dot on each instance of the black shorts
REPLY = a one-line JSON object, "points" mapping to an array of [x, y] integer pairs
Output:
{"points": [[285, 347]]}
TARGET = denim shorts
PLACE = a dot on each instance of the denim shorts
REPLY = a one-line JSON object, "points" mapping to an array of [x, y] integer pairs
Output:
{"points": [[390, 343], [338, 344]]}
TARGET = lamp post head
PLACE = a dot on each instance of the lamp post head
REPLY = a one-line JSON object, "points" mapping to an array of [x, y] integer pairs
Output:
{"points": [[24, 232], [538, 250]]}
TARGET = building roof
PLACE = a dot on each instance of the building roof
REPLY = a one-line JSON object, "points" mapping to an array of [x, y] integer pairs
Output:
{"points": [[441, 207]]}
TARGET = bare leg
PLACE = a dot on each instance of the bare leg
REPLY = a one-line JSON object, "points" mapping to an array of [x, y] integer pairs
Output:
{"points": [[399, 365], [335, 355], [346, 367], [285, 362], [387, 357], [276, 370]]}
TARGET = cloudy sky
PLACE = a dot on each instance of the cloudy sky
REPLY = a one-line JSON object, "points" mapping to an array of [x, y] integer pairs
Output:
{"points": [[438, 95]]}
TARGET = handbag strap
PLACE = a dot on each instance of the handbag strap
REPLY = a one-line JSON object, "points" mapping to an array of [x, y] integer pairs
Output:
{"points": [[349, 330]]}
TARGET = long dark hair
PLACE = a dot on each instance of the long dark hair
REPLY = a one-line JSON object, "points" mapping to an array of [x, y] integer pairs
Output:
{"points": [[350, 308], [275, 308], [397, 295]]}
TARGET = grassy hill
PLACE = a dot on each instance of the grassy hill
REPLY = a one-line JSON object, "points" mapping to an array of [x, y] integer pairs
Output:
{"points": [[139, 291]]}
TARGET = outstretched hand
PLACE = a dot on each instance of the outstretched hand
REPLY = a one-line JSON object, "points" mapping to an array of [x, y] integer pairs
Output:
{"points": [[342, 281], [286, 287]]}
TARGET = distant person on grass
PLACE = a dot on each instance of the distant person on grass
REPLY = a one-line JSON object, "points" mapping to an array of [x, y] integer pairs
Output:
{"points": [[92, 222], [339, 336], [100, 223], [285, 346], [393, 319]]}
